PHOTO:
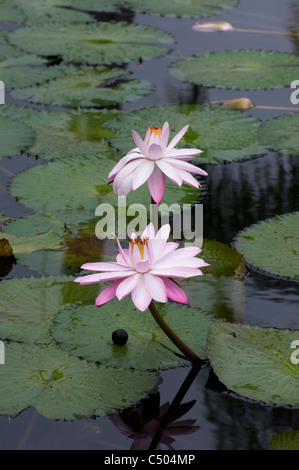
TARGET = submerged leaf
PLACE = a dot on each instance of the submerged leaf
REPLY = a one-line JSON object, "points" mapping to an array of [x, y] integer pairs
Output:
{"points": [[255, 362]]}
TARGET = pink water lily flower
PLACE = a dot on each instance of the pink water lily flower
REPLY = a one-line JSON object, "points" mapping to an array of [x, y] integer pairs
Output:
{"points": [[152, 160], [145, 269]]}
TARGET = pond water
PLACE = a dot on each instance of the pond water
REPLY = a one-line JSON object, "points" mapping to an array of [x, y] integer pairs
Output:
{"points": [[236, 195]]}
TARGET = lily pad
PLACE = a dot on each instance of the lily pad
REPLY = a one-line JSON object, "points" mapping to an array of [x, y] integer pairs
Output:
{"points": [[10, 12], [86, 331], [181, 8], [60, 134], [16, 136], [281, 134], [255, 362], [101, 43], [285, 440], [63, 387], [78, 186], [86, 86], [272, 246], [223, 135], [28, 305], [244, 69], [6, 49]]}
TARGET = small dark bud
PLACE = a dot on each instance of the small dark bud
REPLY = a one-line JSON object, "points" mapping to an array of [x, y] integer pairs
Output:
{"points": [[120, 337]]}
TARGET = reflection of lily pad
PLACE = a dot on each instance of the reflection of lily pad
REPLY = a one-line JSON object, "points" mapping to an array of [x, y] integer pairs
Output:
{"points": [[80, 185], [181, 8], [272, 246], [281, 134], [255, 362], [86, 87], [15, 137], [222, 134], [63, 387], [245, 69], [101, 43], [28, 305], [85, 331]]}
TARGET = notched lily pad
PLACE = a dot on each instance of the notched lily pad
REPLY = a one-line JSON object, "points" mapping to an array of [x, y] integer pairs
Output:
{"points": [[272, 246], [240, 69], [281, 134], [255, 362], [63, 387], [16, 136], [86, 331]]}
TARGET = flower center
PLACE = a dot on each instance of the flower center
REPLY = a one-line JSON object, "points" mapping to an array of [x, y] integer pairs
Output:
{"points": [[141, 242], [154, 130]]}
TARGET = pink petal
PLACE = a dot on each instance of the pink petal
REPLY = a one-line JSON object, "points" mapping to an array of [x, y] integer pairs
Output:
{"points": [[109, 266], [165, 135], [130, 156], [108, 293], [125, 172], [155, 151], [186, 166], [142, 174], [142, 266], [174, 291], [149, 231], [124, 254], [103, 277], [177, 138], [155, 287], [126, 286], [170, 171], [163, 232], [139, 142], [189, 179], [140, 296], [177, 272], [174, 153], [156, 185]]}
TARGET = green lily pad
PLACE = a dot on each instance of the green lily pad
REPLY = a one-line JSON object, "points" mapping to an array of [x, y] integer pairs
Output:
{"points": [[181, 8], [223, 135], [245, 69], [285, 440], [6, 49], [10, 12], [85, 331], [63, 387], [60, 134], [221, 289], [85, 86], [27, 70], [78, 186], [272, 246], [281, 134], [101, 43], [255, 362], [16, 136], [28, 305]]}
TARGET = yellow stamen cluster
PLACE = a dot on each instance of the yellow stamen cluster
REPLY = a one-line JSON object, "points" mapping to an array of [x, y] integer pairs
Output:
{"points": [[141, 242], [154, 130]]}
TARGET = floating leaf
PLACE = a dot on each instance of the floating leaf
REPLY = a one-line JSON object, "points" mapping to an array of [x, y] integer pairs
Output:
{"points": [[181, 8], [255, 362], [103, 43], [6, 49], [63, 387], [28, 305], [85, 86], [281, 134], [245, 69], [78, 186], [86, 331], [285, 440], [272, 246], [10, 12], [15, 137], [222, 134]]}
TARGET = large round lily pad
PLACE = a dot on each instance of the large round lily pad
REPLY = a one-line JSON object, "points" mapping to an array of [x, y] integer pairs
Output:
{"points": [[222, 134], [282, 134], [272, 246], [244, 69], [101, 43], [255, 362], [63, 387], [86, 331], [16, 136], [86, 86], [181, 8]]}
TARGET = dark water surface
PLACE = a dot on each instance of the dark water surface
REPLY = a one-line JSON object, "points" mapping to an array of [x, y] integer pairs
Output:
{"points": [[235, 195]]}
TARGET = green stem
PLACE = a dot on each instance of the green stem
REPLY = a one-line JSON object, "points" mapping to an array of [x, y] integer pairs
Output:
{"points": [[174, 337]]}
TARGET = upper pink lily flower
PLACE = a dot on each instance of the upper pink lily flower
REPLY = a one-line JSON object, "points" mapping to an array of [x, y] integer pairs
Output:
{"points": [[152, 160], [145, 268]]}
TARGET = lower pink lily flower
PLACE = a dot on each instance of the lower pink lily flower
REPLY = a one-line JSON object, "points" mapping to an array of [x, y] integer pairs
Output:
{"points": [[152, 160], [145, 269]]}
